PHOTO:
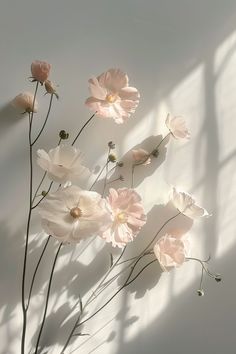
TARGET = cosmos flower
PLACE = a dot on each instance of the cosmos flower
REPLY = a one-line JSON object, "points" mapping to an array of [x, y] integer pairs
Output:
{"points": [[171, 252], [127, 215], [185, 203], [177, 127], [25, 102], [111, 95], [63, 164], [72, 214], [40, 70]]}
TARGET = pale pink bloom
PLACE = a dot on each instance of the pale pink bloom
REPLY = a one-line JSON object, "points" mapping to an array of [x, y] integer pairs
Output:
{"points": [[40, 70], [72, 214], [25, 102], [185, 203], [51, 88], [63, 164], [127, 214], [177, 127], [111, 95], [171, 252], [141, 157]]}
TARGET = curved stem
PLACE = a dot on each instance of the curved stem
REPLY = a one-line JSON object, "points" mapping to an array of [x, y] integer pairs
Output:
{"points": [[50, 186], [98, 176], [41, 182], [24, 309], [45, 122], [74, 141], [47, 298], [36, 269]]}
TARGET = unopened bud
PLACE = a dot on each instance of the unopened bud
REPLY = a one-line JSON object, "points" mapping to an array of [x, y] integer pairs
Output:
{"points": [[218, 278], [121, 178], [51, 88], [44, 193], [155, 153], [111, 145], [112, 158], [63, 135], [120, 164], [200, 292]]}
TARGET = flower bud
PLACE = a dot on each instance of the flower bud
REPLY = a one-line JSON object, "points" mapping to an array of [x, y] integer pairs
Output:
{"points": [[200, 292], [111, 145], [40, 70], [218, 278], [120, 164], [51, 88], [44, 193], [121, 178], [155, 153], [112, 158], [63, 135]]}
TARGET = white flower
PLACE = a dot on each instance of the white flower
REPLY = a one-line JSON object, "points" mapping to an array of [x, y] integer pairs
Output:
{"points": [[25, 101], [171, 252], [185, 203], [72, 214], [62, 164], [177, 127]]}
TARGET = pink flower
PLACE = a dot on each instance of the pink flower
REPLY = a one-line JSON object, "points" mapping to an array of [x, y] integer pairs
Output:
{"points": [[177, 127], [141, 157], [25, 102], [171, 252], [72, 214], [40, 70], [112, 97], [186, 204], [127, 214], [50, 87]]}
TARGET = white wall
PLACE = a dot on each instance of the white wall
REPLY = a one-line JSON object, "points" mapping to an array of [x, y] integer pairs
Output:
{"points": [[182, 57]]}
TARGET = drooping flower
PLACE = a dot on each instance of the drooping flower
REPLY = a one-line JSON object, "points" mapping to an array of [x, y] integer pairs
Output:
{"points": [[186, 204], [111, 95], [141, 157], [128, 216], [72, 214], [177, 127], [171, 252], [40, 70], [50, 87], [63, 163], [25, 102]]}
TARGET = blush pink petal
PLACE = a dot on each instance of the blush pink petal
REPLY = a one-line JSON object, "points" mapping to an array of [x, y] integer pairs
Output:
{"points": [[40, 70], [177, 127], [141, 156], [127, 214]]}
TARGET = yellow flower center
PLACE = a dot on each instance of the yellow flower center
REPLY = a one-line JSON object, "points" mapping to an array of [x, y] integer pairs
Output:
{"points": [[121, 217], [76, 212], [111, 98]]}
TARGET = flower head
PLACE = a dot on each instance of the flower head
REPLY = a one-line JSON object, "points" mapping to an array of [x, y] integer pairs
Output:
{"points": [[25, 101], [141, 157], [72, 214], [127, 214], [62, 164], [111, 95], [177, 127], [50, 87], [171, 252], [40, 70], [185, 203]]}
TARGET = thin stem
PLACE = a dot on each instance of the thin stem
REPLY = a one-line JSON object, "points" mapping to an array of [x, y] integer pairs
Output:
{"points": [[98, 176], [49, 188], [90, 298], [161, 142], [24, 310], [202, 264], [41, 182], [47, 298], [74, 141], [36, 269], [45, 122], [137, 275], [105, 179]]}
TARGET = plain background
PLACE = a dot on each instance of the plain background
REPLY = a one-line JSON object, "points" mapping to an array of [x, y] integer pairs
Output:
{"points": [[181, 55]]}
